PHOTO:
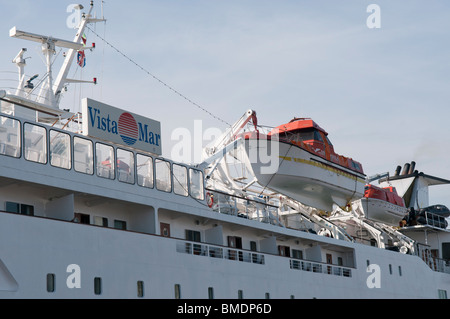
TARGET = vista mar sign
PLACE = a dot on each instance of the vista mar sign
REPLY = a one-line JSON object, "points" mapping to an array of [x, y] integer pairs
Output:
{"points": [[118, 126]]}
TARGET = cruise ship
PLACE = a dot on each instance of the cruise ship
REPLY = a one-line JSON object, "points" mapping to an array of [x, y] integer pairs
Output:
{"points": [[89, 207]]}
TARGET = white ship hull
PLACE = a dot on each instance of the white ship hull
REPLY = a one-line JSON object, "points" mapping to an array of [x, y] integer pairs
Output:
{"points": [[304, 176], [33, 247]]}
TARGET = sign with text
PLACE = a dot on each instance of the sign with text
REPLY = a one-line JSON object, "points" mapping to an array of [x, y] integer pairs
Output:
{"points": [[118, 126]]}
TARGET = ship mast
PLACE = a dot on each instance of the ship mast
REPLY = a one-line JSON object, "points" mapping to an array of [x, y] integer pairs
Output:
{"points": [[50, 92]]}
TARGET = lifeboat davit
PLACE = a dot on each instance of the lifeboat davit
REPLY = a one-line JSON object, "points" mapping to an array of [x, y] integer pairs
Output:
{"points": [[298, 160], [381, 205]]}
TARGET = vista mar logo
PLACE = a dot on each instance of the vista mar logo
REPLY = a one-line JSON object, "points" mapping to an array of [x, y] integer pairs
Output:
{"points": [[115, 125]]}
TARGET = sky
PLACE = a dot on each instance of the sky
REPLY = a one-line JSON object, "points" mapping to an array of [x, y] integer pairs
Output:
{"points": [[382, 93]]}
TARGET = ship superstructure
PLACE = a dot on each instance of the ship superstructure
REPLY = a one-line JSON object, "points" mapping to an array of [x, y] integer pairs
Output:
{"points": [[90, 209]]}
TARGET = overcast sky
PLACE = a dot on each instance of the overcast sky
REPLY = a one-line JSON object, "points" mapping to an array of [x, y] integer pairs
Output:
{"points": [[382, 93]]}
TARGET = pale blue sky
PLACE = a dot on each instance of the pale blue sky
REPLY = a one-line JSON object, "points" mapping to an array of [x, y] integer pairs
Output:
{"points": [[382, 94]]}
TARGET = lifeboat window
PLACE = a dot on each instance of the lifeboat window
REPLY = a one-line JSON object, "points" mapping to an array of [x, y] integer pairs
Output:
{"points": [[104, 160], [125, 166], [35, 143], [180, 182], [163, 178], [196, 184], [60, 150], [83, 155], [144, 166], [9, 137], [307, 135]]}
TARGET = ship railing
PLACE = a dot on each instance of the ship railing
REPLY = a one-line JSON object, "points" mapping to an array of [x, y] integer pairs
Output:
{"points": [[435, 263], [318, 267], [213, 251], [435, 220], [255, 209]]}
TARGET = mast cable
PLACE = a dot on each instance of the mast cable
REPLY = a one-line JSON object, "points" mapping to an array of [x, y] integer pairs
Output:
{"points": [[157, 79]]}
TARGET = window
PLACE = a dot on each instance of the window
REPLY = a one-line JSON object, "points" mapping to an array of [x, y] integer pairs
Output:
{"points": [[446, 251], [210, 293], [442, 294], [82, 218], [83, 155], [60, 150], [144, 167], [97, 285], [284, 251], [120, 224], [240, 294], [140, 288], [35, 143], [267, 296], [297, 254], [18, 208], [163, 180], [104, 160], [125, 166], [193, 235], [101, 221], [390, 269], [9, 137], [400, 271], [177, 291], [50, 282], [180, 183], [196, 184]]}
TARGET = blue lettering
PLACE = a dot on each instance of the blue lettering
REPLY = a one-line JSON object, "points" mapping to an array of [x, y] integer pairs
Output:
{"points": [[143, 136]]}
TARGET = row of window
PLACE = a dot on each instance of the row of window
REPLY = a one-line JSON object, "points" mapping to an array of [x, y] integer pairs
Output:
{"points": [[97, 285], [109, 162]]}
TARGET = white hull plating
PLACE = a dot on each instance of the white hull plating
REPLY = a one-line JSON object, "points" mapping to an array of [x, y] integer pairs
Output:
{"points": [[121, 259], [305, 177]]}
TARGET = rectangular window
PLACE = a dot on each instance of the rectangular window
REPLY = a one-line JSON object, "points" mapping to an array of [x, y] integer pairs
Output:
{"points": [[140, 288], [83, 158], [101, 221], [390, 269], [97, 285], [60, 150], [12, 207], [400, 270], [163, 179], [193, 235], [23, 209], [210, 293], [120, 224], [50, 282], [297, 254], [442, 294], [196, 184], [125, 166], [180, 183], [82, 218], [240, 294], [177, 291], [35, 143], [9, 137], [104, 160], [144, 167]]}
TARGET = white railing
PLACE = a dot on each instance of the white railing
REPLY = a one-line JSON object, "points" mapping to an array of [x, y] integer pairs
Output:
{"points": [[212, 251], [319, 267]]}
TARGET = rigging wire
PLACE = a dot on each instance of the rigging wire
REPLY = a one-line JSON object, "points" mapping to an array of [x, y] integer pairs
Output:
{"points": [[158, 79]]}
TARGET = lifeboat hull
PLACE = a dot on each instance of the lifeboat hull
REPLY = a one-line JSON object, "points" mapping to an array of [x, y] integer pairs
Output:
{"points": [[301, 175], [380, 210]]}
